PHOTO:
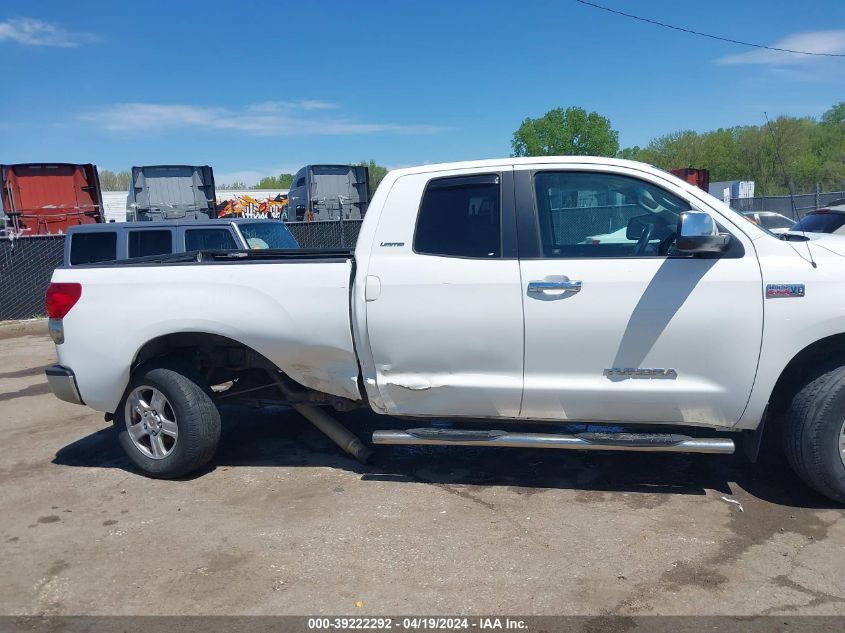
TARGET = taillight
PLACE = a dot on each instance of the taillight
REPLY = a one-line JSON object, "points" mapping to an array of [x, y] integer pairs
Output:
{"points": [[822, 211], [61, 297]]}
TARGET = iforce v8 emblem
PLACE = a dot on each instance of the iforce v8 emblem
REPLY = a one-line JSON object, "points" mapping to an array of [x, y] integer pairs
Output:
{"points": [[774, 291]]}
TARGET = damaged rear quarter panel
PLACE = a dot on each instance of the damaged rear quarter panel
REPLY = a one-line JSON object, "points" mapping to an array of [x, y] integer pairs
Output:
{"points": [[295, 314]]}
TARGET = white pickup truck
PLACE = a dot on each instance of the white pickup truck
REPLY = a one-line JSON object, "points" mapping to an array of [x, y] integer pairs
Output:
{"points": [[473, 304]]}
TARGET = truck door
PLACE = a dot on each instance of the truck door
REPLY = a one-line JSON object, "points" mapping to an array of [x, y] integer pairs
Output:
{"points": [[443, 297], [618, 326]]}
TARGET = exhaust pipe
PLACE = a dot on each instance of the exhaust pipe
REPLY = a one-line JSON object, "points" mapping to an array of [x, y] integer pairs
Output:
{"points": [[336, 432], [643, 442], [330, 427]]}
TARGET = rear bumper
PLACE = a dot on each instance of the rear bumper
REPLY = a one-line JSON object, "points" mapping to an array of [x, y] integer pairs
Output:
{"points": [[63, 384]]}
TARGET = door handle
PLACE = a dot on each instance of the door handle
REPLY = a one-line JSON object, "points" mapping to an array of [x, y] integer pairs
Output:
{"points": [[553, 287]]}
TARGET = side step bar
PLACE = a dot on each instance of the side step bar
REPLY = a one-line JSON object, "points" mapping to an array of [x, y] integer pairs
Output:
{"points": [[657, 442]]}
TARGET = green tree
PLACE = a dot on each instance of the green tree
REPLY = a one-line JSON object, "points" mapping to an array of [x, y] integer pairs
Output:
{"points": [[282, 181], [568, 132], [113, 181], [377, 174], [834, 116], [812, 151], [630, 153]]}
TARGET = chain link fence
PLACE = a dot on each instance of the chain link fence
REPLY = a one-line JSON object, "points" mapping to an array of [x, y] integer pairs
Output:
{"points": [[574, 225], [326, 234], [804, 202], [27, 263]]}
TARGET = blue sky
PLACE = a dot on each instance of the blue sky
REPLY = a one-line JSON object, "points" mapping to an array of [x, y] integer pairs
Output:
{"points": [[255, 88]]}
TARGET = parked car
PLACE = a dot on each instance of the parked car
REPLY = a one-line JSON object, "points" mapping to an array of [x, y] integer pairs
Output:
{"points": [[48, 198], [171, 192], [91, 244], [829, 219], [329, 192], [470, 308], [777, 223]]}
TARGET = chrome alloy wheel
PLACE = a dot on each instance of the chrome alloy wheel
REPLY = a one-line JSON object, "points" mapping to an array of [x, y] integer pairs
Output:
{"points": [[842, 443], [151, 422]]}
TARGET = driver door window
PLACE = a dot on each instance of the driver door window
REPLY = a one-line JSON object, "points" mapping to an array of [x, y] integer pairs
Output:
{"points": [[591, 214]]}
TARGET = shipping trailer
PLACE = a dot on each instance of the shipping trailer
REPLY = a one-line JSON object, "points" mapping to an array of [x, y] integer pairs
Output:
{"points": [[48, 198]]}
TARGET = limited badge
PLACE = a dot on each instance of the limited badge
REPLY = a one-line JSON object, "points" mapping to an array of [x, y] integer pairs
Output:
{"points": [[784, 290]]}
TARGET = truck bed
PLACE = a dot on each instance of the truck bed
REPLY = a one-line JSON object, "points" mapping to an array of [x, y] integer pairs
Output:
{"points": [[297, 316]]}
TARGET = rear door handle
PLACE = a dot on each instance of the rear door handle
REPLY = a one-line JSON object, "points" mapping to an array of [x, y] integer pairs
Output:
{"points": [[553, 287]]}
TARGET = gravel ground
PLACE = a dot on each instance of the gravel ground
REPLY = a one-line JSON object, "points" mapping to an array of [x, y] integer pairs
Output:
{"points": [[281, 523]]}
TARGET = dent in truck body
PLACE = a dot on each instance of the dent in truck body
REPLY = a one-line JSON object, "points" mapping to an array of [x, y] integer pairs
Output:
{"points": [[444, 334]]}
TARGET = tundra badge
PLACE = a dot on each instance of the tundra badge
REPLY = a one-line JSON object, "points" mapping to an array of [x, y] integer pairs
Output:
{"points": [[640, 372], [784, 290]]}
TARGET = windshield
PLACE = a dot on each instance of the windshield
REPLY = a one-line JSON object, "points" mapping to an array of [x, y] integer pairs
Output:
{"points": [[266, 234], [821, 223]]}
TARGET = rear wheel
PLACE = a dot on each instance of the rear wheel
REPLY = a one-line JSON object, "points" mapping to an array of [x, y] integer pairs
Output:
{"points": [[815, 434], [167, 422]]}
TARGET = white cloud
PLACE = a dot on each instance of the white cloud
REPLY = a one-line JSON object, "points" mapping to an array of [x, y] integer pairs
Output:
{"points": [[36, 32], [279, 106], [829, 42], [269, 118]]}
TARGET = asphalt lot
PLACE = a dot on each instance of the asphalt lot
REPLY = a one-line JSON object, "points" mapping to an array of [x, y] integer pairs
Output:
{"points": [[282, 523]]}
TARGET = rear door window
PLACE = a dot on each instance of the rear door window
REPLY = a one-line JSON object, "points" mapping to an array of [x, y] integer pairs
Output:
{"points": [[209, 240], [461, 217], [150, 242], [90, 248]]}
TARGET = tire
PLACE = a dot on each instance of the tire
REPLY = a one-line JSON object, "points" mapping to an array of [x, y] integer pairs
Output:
{"points": [[188, 430], [813, 434]]}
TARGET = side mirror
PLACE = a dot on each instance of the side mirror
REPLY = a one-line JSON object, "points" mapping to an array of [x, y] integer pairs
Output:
{"points": [[697, 233]]}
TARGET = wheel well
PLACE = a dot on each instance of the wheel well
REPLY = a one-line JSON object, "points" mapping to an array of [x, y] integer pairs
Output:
{"points": [[767, 439], [216, 357], [806, 365], [221, 360]]}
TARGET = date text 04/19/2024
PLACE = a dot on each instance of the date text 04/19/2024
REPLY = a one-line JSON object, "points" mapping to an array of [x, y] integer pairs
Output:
{"points": [[416, 623]]}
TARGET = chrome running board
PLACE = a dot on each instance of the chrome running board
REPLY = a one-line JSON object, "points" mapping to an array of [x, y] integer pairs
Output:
{"points": [[655, 442]]}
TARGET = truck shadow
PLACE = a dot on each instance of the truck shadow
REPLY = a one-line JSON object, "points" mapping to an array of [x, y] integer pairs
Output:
{"points": [[281, 438]]}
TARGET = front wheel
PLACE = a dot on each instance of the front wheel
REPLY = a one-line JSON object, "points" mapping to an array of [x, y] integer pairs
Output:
{"points": [[167, 422], [815, 434]]}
